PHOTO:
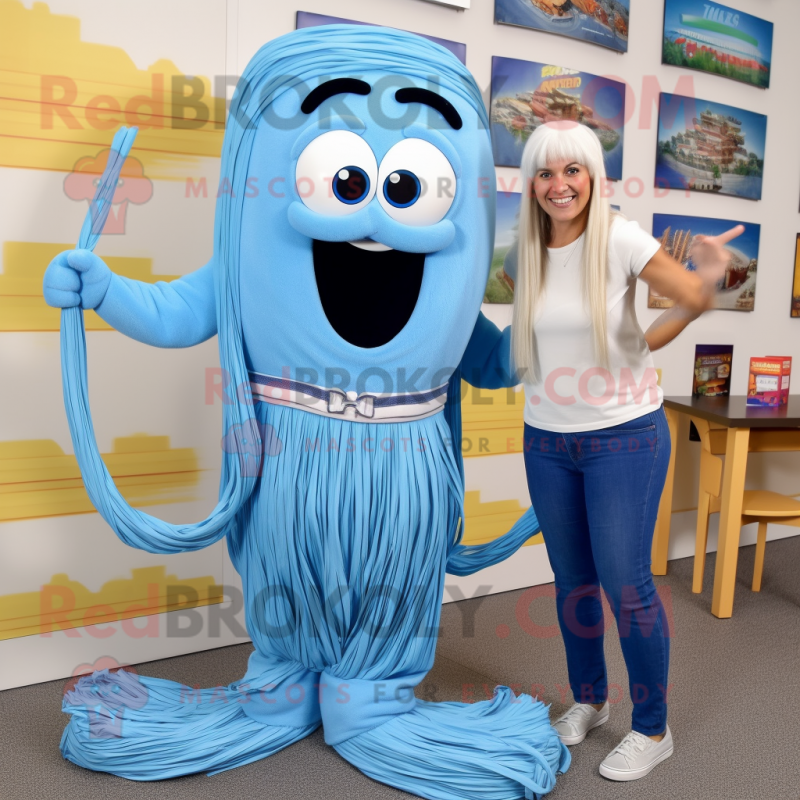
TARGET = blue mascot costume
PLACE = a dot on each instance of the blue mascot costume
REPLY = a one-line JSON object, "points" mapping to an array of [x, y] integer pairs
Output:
{"points": [[344, 293]]}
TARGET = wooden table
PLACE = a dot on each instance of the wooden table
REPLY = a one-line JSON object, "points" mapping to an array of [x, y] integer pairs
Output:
{"points": [[749, 429]]}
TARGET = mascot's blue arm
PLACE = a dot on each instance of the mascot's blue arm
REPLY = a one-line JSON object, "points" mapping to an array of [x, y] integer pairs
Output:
{"points": [[487, 359], [178, 313]]}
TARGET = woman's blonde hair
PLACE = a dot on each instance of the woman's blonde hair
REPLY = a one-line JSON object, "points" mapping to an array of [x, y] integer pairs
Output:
{"points": [[553, 142]]}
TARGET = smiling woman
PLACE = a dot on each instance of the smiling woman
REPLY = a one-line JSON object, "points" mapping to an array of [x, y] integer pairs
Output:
{"points": [[561, 164], [596, 441], [563, 190]]}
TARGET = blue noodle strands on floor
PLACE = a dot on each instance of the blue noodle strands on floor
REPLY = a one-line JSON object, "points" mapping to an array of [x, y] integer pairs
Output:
{"points": [[160, 729]]}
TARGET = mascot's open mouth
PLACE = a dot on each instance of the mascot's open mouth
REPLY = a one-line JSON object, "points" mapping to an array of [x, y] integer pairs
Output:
{"points": [[368, 295]]}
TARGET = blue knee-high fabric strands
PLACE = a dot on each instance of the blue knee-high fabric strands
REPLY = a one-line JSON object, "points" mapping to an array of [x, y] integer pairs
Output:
{"points": [[342, 533]]}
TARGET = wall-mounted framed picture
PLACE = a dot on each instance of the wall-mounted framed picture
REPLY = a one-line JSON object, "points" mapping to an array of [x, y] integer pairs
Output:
{"points": [[499, 286], [796, 280], [306, 19], [717, 39], [737, 290], [709, 147], [603, 22], [525, 94]]}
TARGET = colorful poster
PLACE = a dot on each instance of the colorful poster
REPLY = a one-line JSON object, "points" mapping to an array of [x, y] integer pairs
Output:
{"points": [[737, 290], [712, 370], [718, 39], [603, 22], [796, 283], [710, 147], [306, 19], [499, 286], [525, 94]]}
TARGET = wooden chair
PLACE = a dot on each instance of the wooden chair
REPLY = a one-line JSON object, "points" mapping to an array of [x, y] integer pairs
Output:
{"points": [[757, 506]]}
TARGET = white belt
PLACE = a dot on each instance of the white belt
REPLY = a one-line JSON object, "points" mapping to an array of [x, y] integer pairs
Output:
{"points": [[364, 407]]}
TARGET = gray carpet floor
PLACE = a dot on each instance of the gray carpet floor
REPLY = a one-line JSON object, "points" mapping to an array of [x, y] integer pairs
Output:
{"points": [[734, 703]]}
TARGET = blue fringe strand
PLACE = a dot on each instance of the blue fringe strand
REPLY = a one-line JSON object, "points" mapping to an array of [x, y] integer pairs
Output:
{"points": [[497, 749], [148, 729]]}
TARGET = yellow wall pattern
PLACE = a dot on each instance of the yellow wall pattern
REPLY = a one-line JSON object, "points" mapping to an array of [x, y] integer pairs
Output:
{"points": [[63, 604], [486, 521], [38, 480], [61, 98], [491, 421]]}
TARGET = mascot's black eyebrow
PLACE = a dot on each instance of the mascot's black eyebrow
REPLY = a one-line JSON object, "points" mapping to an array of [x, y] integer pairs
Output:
{"points": [[321, 93], [411, 94], [414, 95]]}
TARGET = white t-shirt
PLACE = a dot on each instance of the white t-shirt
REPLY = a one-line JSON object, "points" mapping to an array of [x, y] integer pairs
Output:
{"points": [[574, 393]]}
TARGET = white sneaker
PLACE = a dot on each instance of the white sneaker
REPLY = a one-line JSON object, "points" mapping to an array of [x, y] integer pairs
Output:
{"points": [[573, 726], [635, 756]]}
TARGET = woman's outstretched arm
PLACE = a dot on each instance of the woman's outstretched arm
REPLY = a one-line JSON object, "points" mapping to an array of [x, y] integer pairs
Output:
{"points": [[692, 292]]}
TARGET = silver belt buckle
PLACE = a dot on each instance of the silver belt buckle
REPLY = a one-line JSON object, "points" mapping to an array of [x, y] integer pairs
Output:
{"points": [[365, 405], [337, 401]]}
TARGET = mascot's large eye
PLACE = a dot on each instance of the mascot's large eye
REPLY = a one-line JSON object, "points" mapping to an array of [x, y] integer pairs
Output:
{"points": [[402, 188], [336, 174], [351, 185], [416, 184]]}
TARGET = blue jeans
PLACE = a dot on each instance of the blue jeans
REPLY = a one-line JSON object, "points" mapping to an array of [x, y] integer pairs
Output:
{"points": [[596, 495]]}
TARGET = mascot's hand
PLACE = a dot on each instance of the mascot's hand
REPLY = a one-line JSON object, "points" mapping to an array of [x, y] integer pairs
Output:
{"points": [[76, 278]]}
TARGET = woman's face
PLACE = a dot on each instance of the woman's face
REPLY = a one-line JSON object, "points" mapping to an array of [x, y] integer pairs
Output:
{"points": [[563, 190]]}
